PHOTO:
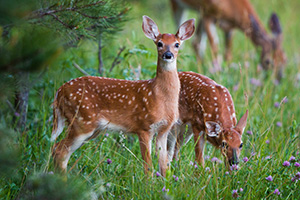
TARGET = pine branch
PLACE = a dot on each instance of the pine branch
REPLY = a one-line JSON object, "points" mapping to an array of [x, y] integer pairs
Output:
{"points": [[117, 59], [44, 12], [60, 21]]}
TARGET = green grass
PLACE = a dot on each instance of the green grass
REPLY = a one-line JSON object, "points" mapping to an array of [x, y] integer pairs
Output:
{"points": [[124, 178]]}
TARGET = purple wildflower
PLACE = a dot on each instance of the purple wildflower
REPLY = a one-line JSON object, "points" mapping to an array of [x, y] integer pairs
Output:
{"points": [[269, 178], [278, 124], [276, 104], [241, 189], [164, 189], [286, 163], [108, 184], [207, 169], [106, 134], [196, 166], [191, 163], [109, 161], [276, 82], [255, 82], [236, 87], [285, 100], [214, 159], [176, 179], [297, 164], [227, 173], [206, 157], [297, 176], [17, 114], [235, 194], [267, 141], [292, 158], [234, 167], [249, 132], [174, 176], [157, 174], [268, 157], [293, 179], [276, 191], [245, 159]]}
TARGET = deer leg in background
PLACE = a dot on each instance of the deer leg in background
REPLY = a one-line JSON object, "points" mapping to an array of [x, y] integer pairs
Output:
{"points": [[213, 42], [199, 43], [199, 145], [183, 136], [178, 12], [172, 140], [228, 45]]}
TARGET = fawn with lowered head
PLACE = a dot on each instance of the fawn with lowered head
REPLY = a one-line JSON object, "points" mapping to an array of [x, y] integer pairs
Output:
{"points": [[231, 14], [91, 104], [208, 110]]}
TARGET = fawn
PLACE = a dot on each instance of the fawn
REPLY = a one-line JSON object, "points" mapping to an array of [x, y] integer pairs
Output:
{"points": [[208, 110], [145, 107], [230, 14]]}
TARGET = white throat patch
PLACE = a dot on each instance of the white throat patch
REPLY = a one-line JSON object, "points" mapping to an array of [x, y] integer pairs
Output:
{"points": [[168, 65]]}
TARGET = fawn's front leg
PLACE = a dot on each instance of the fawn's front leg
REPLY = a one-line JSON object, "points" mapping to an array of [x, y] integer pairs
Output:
{"points": [[145, 145], [161, 148]]}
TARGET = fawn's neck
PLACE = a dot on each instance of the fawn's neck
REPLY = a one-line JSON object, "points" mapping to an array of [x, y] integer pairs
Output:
{"points": [[167, 83]]}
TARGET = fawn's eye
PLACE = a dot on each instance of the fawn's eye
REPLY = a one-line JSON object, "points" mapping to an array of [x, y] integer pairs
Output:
{"points": [[177, 45], [159, 44], [241, 145]]}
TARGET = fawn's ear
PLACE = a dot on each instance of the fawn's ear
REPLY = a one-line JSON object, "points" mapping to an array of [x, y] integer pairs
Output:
{"points": [[186, 30], [213, 129], [150, 28], [275, 27], [274, 24], [240, 127]]}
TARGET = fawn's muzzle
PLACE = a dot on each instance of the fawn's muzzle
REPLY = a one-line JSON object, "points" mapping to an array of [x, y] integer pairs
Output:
{"points": [[168, 55], [234, 160]]}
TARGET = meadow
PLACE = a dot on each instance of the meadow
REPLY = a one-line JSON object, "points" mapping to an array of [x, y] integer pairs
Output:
{"points": [[111, 167]]}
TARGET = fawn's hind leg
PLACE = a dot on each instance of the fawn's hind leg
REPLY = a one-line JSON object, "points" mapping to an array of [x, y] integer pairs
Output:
{"points": [[63, 150]]}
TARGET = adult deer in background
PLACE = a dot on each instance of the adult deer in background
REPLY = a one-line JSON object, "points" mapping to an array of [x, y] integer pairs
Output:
{"points": [[91, 104], [208, 110], [231, 14]]}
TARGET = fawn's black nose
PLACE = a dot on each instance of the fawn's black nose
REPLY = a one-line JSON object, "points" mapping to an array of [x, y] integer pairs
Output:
{"points": [[233, 162], [168, 55]]}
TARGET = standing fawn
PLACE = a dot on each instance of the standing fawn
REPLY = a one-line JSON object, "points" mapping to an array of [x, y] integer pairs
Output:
{"points": [[231, 14], [208, 110], [91, 104]]}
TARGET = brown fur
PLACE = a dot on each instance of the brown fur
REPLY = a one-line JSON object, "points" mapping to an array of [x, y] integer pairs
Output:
{"points": [[203, 101], [240, 14], [91, 104]]}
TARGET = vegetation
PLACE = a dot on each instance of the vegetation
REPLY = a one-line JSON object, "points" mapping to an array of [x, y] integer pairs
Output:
{"points": [[110, 166]]}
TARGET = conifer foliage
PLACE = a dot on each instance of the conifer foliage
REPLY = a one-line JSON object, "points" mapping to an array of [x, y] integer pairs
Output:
{"points": [[34, 32]]}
